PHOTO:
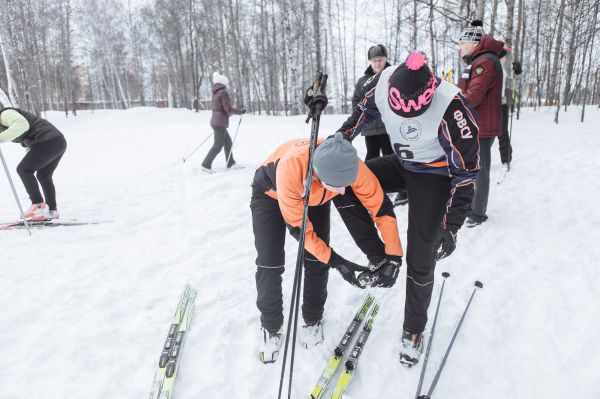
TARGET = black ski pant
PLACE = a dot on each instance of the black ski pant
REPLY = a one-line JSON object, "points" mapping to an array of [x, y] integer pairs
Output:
{"points": [[504, 139], [427, 197], [42, 159], [222, 140], [269, 240], [376, 144], [482, 182]]}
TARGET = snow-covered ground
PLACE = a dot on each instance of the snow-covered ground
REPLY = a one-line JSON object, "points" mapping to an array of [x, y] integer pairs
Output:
{"points": [[84, 310]]}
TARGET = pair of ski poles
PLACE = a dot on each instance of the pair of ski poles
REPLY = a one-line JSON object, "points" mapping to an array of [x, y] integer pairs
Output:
{"points": [[418, 395], [316, 101], [12, 186], [184, 159]]}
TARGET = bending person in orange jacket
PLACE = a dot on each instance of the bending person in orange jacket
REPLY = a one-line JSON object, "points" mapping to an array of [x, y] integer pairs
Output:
{"points": [[277, 202]]}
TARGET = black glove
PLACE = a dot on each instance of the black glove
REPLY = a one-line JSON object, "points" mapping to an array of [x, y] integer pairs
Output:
{"points": [[444, 244], [383, 272], [346, 268], [517, 68], [243, 111], [311, 99]]}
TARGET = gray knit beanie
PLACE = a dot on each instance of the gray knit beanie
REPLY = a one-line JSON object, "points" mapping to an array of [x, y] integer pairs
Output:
{"points": [[336, 161]]}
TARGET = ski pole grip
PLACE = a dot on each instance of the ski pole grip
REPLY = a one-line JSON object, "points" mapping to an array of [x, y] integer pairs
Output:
{"points": [[445, 275], [323, 83], [317, 82], [478, 284]]}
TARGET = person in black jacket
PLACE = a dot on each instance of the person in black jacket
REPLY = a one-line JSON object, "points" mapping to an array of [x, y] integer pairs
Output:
{"points": [[45, 147], [376, 138]]}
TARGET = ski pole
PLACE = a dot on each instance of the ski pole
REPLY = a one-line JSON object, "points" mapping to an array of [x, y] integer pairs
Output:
{"points": [[199, 145], [315, 114], [437, 309], [478, 284], [234, 137], [14, 192]]}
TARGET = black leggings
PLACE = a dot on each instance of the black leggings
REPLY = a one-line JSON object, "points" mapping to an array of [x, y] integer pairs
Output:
{"points": [[42, 158], [427, 197], [222, 139], [269, 239], [380, 142]]}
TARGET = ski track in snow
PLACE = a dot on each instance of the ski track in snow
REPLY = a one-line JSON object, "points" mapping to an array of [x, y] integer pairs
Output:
{"points": [[85, 310]]}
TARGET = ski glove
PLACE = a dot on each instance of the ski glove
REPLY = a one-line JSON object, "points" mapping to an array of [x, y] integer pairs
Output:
{"points": [[517, 69], [346, 268], [383, 272], [444, 244], [311, 99]]}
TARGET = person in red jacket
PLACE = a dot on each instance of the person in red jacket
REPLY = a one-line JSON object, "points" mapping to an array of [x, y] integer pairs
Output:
{"points": [[221, 111], [481, 84]]}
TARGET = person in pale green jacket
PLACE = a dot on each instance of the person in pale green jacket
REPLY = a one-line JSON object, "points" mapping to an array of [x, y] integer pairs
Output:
{"points": [[45, 147]]}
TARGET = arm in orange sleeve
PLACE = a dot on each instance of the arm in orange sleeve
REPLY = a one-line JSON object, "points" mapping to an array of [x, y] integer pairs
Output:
{"points": [[371, 195], [290, 188]]}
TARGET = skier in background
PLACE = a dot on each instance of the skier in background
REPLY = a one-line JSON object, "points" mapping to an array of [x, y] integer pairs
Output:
{"points": [[45, 146], [277, 202], [481, 84], [376, 138], [434, 133], [221, 111]]}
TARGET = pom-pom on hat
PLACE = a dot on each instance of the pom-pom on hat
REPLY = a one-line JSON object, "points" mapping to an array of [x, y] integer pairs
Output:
{"points": [[411, 87], [472, 33], [336, 161]]}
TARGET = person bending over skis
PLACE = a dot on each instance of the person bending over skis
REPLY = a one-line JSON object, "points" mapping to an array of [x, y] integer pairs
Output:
{"points": [[45, 146], [277, 202]]}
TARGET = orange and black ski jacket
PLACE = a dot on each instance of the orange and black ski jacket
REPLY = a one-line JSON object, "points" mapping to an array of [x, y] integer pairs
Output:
{"points": [[282, 178]]}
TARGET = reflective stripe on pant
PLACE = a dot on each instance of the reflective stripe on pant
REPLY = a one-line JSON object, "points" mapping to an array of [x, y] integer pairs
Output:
{"points": [[427, 197], [269, 240]]}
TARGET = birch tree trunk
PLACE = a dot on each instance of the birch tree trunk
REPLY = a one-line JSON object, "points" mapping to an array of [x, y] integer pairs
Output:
{"points": [[12, 96]]}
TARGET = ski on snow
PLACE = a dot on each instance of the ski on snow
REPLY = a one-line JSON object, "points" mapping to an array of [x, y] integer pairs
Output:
{"points": [[168, 363], [348, 372], [20, 224], [336, 358]]}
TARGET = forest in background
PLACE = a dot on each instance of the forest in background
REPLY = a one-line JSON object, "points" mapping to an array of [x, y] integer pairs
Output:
{"points": [[88, 54]]}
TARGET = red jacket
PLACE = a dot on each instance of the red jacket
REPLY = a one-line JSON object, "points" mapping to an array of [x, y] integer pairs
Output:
{"points": [[221, 107], [481, 84]]}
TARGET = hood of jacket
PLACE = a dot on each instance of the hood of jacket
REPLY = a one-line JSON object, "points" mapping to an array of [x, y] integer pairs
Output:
{"points": [[217, 87], [487, 45]]}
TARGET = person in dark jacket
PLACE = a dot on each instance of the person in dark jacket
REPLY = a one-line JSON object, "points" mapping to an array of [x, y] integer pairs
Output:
{"points": [[376, 138], [45, 146], [481, 84], [221, 111]]}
